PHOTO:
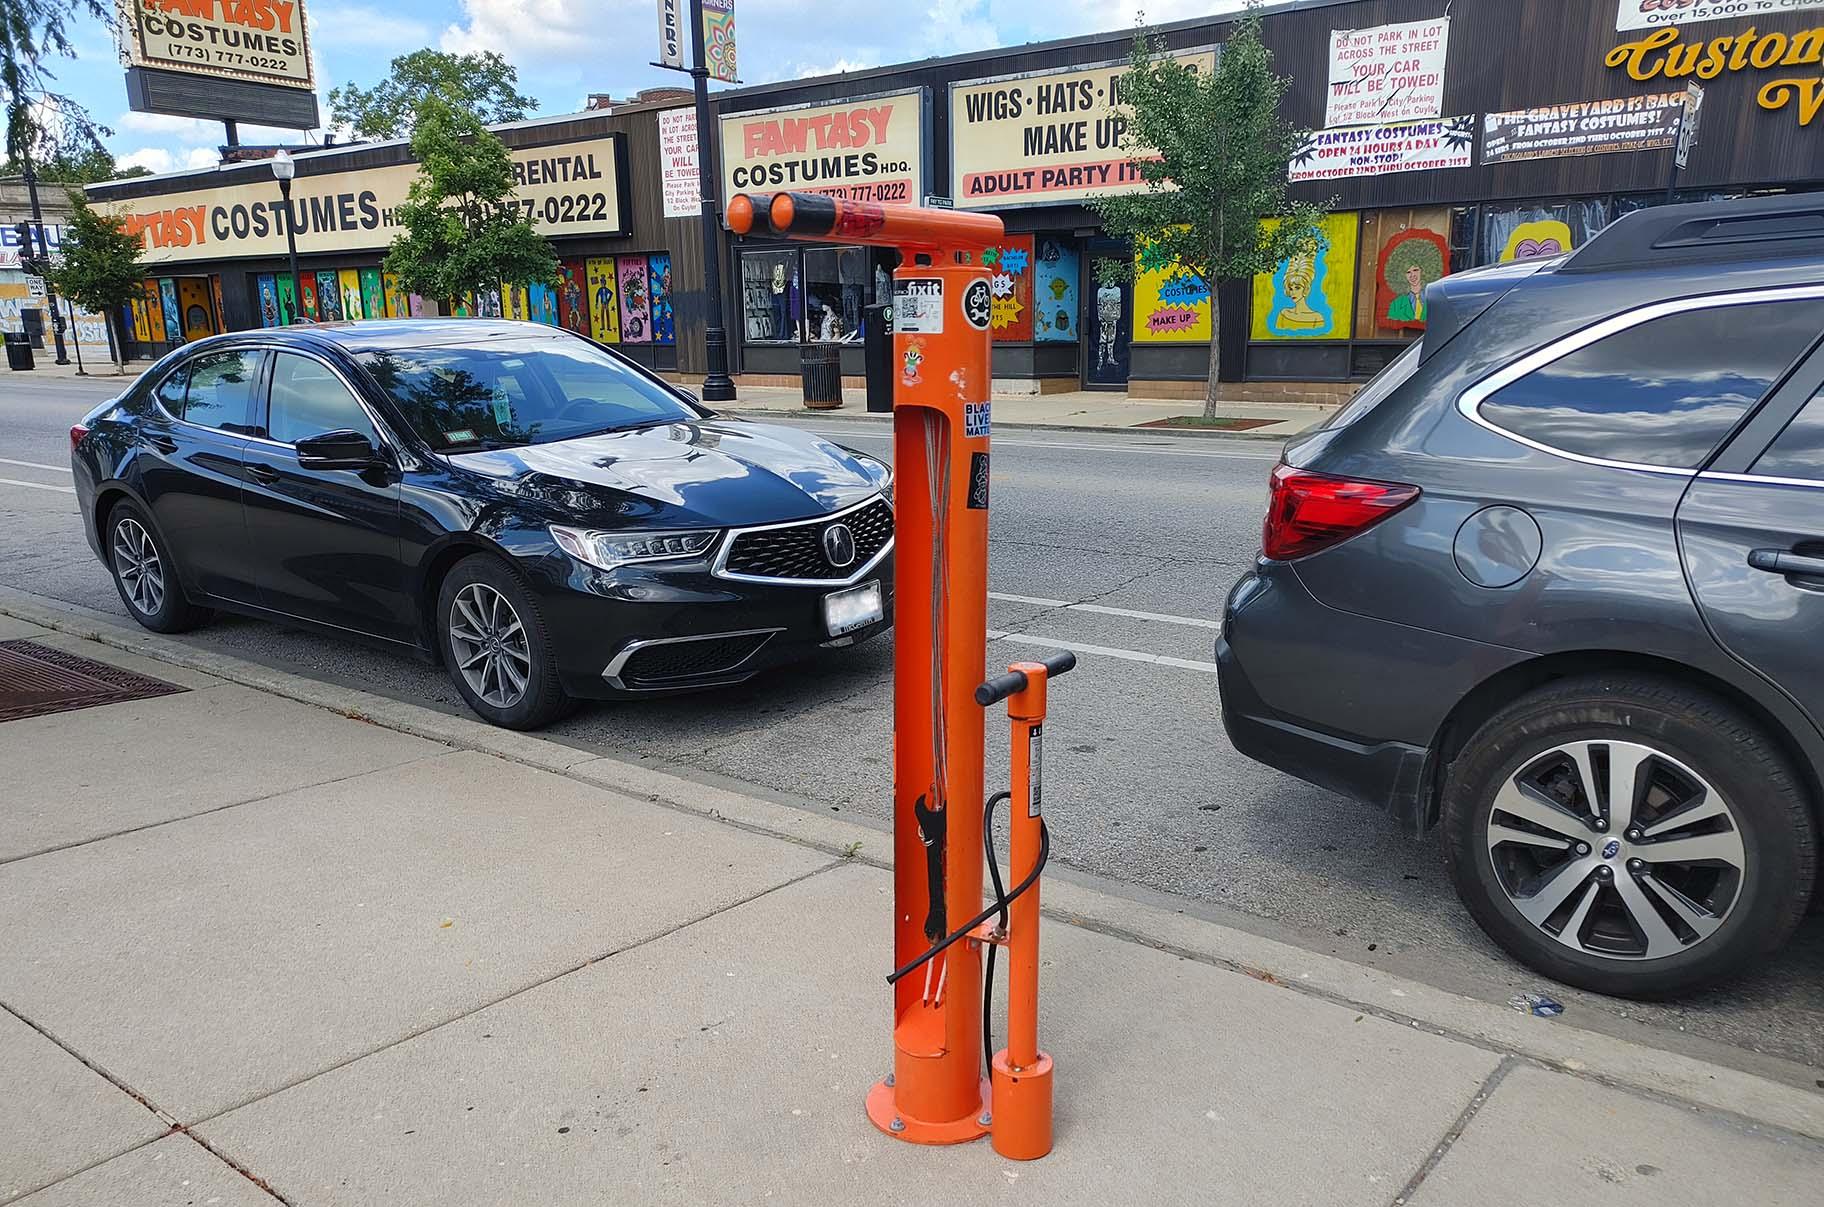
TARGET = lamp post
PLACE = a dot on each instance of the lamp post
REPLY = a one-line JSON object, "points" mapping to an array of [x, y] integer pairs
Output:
{"points": [[284, 169], [43, 255], [718, 386]]}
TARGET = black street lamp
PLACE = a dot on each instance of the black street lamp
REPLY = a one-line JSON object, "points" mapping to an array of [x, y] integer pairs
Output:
{"points": [[718, 386], [284, 170], [43, 256]]}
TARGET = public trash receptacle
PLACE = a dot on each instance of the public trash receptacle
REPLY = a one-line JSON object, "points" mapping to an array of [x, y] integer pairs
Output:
{"points": [[18, 350], [877, 355], [821, 368]]}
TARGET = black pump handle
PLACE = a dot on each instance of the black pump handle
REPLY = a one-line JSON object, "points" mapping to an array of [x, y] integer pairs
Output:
{"points": [[1002, 686]]}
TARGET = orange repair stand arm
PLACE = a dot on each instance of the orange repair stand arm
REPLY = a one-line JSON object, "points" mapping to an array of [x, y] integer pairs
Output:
{"points": [[1021, 1074], [936, 1093]]}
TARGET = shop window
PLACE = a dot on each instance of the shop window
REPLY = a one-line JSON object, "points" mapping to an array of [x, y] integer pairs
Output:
{"points": [[1310, 295], [835, 290], [1055, 292], [1403, 252], [1598, 402], [1537, 231], [1010, 283], [769, 296]]}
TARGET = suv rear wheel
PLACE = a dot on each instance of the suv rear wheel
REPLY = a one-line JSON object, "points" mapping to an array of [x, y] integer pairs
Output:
{"points": [[1629, 835]]}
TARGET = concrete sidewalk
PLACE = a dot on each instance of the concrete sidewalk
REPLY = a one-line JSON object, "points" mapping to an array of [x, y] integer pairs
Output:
{"points": [[1078, 409], [272, 939]]}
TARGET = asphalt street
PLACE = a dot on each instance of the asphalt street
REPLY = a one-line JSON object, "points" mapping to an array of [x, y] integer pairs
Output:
{"points": [[1119, 546]]}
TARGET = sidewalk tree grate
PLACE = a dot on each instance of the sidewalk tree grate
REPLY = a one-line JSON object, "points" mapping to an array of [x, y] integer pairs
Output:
{"points": [[36, 680]]}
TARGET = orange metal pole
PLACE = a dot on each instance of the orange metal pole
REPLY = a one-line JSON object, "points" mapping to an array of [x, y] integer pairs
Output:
{"points": [[941, 309], [1021, 1074]]}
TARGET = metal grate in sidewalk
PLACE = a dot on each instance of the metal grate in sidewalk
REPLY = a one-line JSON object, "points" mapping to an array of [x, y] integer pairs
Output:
{"points": [[36, 680]]}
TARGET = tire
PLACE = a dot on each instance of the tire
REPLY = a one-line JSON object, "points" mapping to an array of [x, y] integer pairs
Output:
{"points": [[1733, 903], [502, 665], [145, 574]]}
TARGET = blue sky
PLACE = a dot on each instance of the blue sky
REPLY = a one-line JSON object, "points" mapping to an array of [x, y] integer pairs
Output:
{"points": [[566, 49]]}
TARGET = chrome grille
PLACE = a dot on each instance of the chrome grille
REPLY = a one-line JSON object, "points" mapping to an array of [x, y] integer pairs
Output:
{"points": [[795, 551]]}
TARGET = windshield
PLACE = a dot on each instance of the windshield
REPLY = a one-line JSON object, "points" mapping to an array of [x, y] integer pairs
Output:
{"points": [[518, 391]]}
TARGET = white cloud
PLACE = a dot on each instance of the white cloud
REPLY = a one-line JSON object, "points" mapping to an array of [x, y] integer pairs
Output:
{"points": [[202, 157], [806, 70], [153, 159], [375, 31], [169, 129], [562, 30]]}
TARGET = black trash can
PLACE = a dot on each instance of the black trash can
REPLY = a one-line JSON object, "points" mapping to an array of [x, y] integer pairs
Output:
{"points": [[820, 365], [18, 350], [877, 355]]}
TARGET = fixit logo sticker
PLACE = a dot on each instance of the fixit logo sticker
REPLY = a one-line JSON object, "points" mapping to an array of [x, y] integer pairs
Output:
{"points": [[978, 305], [976, 419]]}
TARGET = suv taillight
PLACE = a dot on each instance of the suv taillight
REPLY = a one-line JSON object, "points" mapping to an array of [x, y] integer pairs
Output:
{"points": [[1308, 511], [77, 432]]}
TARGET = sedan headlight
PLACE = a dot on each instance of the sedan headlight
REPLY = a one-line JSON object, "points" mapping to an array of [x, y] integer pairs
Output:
{"points": [[880, 471], [606, 550]]}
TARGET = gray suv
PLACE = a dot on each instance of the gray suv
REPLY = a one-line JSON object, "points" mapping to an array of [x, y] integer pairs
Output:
{"points": [[1555, 580]]}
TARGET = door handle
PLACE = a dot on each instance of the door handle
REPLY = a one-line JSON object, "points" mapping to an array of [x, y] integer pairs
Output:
{"points": [[163, 444], [1784, 561], [263, 473]]}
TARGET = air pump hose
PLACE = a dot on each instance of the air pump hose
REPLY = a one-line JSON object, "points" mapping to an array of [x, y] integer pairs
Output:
{"points": [[1002, 900]]}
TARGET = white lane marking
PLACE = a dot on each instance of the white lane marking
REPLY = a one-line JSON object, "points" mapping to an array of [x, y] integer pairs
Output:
{"points": [[1112, 446], [1103, 610], [56, 469], [68, 490], [1083, 647]]}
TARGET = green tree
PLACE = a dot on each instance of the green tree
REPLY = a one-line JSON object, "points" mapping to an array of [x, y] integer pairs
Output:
{"points": [[42, 124], [1221, 150], [77, 166], [484, 85], [99, 266], [463, 227]]}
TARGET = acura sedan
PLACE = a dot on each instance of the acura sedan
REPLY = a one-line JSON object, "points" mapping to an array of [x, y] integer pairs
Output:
{"points": [[546, 519]]}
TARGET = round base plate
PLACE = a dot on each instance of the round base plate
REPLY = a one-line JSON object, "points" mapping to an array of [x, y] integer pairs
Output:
{"points": [[884, 1112]]}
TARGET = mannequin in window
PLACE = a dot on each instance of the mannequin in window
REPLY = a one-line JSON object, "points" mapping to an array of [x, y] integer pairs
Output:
{"points": [[831, 331], [778, 290]]}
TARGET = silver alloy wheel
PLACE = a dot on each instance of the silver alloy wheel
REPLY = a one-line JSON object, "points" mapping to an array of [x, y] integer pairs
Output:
{"points": [[141, 570], [1616, 850], [489, 647]]}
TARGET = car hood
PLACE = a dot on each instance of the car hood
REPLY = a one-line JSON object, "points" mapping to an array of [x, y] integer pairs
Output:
{"points": [[710, 472]]}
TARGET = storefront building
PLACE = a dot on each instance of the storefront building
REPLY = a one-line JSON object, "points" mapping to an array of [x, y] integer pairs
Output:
{"points": [[1445, 136], [24, 300], [216, 248]]}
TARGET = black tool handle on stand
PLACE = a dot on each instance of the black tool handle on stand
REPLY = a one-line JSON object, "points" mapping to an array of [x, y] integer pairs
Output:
{"points": [[1002, 686]]}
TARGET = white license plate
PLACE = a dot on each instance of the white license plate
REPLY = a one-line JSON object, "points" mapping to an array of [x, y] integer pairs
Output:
{"points": [[856, 608]]}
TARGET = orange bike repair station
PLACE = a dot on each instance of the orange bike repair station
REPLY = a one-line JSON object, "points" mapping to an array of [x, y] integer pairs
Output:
{"points": [[941, 840]]}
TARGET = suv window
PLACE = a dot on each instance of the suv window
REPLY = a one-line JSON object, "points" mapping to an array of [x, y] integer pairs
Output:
{"points": [[221, 389], [1664, 392], [1798, 452], [308, 399]]}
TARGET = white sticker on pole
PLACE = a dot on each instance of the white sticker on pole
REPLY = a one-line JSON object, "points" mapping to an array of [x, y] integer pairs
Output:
{"points": [[918, 306], [1035, 754]]}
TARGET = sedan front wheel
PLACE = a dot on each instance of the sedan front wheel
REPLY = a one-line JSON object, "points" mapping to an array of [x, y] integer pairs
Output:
{"points": [[496, 647]]}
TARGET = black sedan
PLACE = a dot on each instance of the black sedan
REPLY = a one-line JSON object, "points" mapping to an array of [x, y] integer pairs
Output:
{"points": [[547, 519]]}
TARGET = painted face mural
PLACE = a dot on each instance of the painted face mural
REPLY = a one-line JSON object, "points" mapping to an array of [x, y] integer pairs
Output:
{"points": [[1532, 240]]}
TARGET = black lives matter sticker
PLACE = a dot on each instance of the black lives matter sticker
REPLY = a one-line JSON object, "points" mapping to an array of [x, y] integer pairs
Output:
{"points": [[978, 305]]}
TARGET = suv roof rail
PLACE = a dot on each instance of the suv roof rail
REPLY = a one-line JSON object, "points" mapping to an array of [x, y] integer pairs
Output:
{"points": [[1750, 228]]}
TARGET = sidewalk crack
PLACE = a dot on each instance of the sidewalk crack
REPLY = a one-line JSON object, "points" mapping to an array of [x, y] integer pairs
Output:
{"points": [[1455, 1131]]}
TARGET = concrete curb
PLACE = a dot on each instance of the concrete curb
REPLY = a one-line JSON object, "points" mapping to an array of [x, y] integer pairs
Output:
{"points": [[1682, 1079], [883, 419]]}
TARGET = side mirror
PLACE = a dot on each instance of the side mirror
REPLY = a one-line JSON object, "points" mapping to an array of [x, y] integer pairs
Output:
{"points": [[343, 449]]}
